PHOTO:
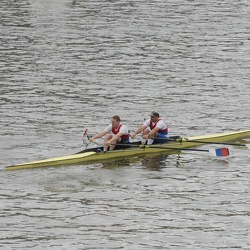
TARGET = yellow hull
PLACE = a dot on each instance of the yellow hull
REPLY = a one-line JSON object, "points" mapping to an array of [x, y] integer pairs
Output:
{"points": [[169, 147]]}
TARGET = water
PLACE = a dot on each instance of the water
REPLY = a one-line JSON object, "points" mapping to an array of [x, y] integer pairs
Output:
{"points": [[70, 65]]}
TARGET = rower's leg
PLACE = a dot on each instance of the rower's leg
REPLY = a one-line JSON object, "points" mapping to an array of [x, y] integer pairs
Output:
{"points": [[113, 145], [144, 133], [107, 138]]}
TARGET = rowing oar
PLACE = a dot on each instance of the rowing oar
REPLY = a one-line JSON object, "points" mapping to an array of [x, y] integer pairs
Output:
{"points": [[85, 135], [220, 152], [209, 142]]}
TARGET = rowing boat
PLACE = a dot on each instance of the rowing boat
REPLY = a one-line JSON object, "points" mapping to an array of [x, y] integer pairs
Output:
{"points": [[175, 144]]}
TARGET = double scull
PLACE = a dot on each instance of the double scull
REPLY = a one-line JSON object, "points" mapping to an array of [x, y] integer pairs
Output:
{"points": [[175, 144]]}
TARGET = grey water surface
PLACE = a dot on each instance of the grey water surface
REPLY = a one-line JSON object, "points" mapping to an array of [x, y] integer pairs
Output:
{"points": [[68, 65]]}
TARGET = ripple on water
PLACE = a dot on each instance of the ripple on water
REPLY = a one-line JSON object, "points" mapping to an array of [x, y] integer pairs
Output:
{"points": [[71, 65]]}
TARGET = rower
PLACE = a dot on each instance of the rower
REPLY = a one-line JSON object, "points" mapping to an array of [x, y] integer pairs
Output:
{"points": [[154, 130], [115, 132]]}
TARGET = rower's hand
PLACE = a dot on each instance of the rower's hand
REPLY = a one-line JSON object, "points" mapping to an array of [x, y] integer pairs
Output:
{"points": [[133, 136], [108, 143], [91, 139], [146, 136]]}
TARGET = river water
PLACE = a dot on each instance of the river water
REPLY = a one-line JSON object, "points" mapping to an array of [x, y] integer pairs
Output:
{"points": [[70, 65]]}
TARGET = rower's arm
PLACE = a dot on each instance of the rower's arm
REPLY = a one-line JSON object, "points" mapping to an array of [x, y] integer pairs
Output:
{"points": [[153, 132], [139, 130], [116, 137], [99, 135]]}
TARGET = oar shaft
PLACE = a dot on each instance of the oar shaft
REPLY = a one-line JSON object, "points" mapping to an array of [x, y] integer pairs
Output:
{"points": [[177, 149], [159, 147], [202, 142], [209, 142]]}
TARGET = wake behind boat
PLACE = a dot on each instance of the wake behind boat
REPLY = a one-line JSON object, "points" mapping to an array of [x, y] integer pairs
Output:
{"points": [[175, 144]]}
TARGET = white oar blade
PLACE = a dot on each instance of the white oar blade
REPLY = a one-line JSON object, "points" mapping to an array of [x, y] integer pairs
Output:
{"points": [[248, 146], [220, 152]]}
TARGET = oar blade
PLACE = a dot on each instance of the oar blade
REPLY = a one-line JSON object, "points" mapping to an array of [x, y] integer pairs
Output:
{"points": [[220, 152], [85, 138], [85, 132], [248, 146]]}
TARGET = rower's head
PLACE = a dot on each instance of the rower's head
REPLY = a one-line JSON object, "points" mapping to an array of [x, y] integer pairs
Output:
{"points": [[154, 116], [115, 121]]}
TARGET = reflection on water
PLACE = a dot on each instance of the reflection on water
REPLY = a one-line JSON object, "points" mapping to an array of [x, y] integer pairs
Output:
{"points": [[151, 163], [155, 163], [113, 164]]}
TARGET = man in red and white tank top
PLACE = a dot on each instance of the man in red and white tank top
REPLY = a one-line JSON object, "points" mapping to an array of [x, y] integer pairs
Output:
{"points": [[152, 129], [115, 133]]}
